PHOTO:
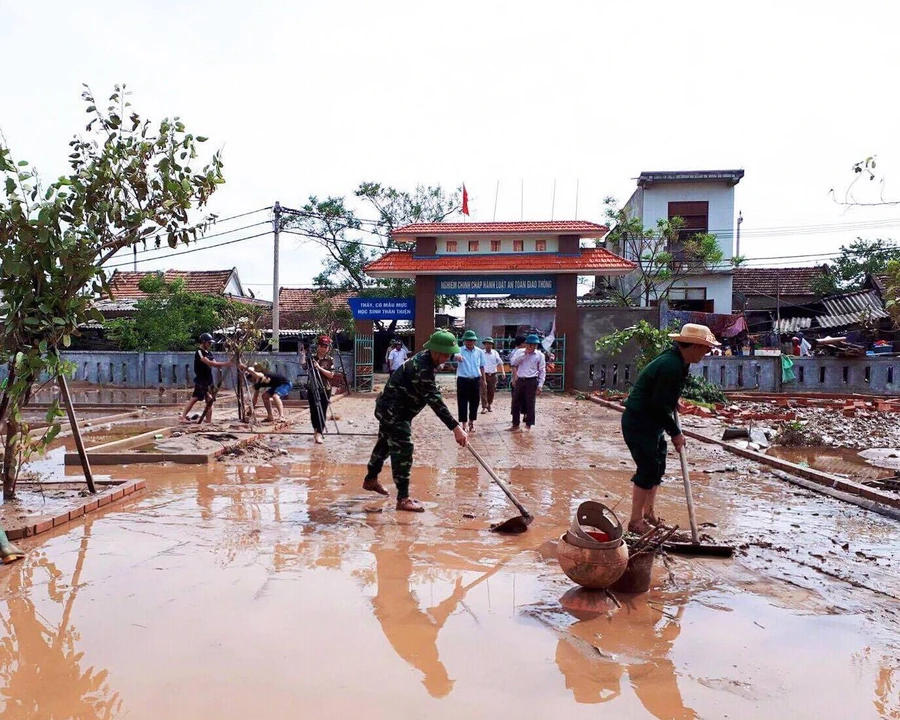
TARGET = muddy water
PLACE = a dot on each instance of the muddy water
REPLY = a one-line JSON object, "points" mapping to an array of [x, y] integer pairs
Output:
{"points": [[281, 590], [837, 461]]}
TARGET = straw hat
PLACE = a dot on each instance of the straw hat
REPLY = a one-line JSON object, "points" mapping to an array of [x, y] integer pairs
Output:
{"points": [[695, 334]]}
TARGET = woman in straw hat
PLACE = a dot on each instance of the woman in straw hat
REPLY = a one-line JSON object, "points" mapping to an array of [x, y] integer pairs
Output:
{"points": [[651, 411]]}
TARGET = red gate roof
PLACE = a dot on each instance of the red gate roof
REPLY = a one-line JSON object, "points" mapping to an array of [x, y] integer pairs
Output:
{"points": [[589, 261]]}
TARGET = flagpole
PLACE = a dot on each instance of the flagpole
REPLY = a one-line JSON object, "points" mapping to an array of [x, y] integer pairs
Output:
{"points": [[553, 201], [496, 195], [522, 201], [577, 183]]}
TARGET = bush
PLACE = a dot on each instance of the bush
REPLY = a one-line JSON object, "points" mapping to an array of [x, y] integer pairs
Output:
{"points": [[700, 390]]}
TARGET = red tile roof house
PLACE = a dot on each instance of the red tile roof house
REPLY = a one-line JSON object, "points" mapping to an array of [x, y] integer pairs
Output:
{"points": [[125, 288], [499, 258]]}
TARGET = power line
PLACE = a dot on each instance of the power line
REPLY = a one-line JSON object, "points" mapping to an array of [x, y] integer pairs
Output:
{"points": [[192, 250], [207, 237]]}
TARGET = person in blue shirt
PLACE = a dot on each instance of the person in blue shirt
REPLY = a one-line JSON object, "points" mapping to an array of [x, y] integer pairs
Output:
{"points": [[469, 376]]}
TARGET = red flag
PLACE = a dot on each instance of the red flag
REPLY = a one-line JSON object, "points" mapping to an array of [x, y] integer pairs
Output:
{"points": [[465, 207]]}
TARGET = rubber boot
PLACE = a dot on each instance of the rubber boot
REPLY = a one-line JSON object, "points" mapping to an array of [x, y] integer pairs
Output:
{"points": [[8, 552]]}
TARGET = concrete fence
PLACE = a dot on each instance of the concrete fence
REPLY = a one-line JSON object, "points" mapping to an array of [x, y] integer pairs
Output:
{"points": [[867, 375], [171, 369]]}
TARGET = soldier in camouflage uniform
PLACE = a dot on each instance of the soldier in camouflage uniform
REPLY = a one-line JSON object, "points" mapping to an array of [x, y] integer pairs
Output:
{"points": [[410, 388]]}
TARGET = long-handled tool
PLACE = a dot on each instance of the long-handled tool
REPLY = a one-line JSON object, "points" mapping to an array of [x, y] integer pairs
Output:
{"points": [[514, 525], [694, 547]]}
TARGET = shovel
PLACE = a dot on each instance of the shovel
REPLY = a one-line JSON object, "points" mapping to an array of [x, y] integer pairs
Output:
{"points": [[694, 547], [515, 525]]}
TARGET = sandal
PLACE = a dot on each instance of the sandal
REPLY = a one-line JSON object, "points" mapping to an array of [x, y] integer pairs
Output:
{"points": [[374, 486], [410, 505]]}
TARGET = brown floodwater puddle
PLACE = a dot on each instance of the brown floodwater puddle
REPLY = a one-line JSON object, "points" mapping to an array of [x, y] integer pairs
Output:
{"points": [[837, 461], [282, 590]]}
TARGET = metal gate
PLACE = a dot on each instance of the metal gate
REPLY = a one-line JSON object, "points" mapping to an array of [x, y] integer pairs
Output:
{"points": [[363, 363]]}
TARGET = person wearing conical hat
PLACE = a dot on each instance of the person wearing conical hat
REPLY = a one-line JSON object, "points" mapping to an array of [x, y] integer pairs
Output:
{"points": [[651, 412], [409, 389]]}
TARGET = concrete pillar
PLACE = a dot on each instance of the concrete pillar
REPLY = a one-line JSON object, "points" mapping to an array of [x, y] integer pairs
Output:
{"points": [[425, 285], [567, 322]]}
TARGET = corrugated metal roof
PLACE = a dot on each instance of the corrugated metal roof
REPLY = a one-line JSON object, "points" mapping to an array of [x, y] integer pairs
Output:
{"points": [[791, 325], [851, 308], [532, 303]]}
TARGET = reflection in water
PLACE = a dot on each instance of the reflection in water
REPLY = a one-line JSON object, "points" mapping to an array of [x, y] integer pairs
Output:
{"points": [[413, 632], [637, 640], [40, 667]]}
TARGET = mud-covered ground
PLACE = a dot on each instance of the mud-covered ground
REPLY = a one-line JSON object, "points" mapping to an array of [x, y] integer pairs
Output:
{"points": [[269, 585]]}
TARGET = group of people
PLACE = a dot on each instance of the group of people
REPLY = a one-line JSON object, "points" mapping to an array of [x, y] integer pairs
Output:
{"points": [[272, 386], [650, 411], [412, 385], [476, 378]]}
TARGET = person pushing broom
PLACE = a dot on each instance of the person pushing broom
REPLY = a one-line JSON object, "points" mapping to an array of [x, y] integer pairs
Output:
{"points": [[652, 410]]}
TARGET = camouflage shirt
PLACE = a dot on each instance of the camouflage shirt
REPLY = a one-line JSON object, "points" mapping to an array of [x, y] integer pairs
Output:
{"points": [[409, 389]]}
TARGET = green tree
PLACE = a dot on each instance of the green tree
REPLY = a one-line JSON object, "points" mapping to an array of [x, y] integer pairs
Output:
{"points": [[849, 270], [169, 318], [129, 180], [351, 241], [664, 255]]}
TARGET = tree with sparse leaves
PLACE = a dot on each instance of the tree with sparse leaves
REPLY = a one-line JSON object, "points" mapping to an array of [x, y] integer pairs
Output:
{"points": [[129, 180], [351, 241]]}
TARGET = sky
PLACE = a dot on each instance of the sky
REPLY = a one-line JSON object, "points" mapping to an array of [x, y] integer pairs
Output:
{"points": [[315, 97]]}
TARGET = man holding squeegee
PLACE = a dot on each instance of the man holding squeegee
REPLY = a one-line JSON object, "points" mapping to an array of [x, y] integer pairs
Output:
{"points": [[651, 410], [409, 389]]}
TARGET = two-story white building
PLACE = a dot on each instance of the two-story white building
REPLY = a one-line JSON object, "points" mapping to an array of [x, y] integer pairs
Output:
{"points": [[704, 199]]}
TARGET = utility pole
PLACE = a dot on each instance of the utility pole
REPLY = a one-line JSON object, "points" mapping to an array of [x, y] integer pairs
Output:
{"points": [[134, 248], [777, 298], [737, 251], [276, 226]]}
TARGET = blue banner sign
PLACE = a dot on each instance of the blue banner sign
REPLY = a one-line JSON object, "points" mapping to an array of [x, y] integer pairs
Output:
{"points": [[496, 285], [383, 308]]}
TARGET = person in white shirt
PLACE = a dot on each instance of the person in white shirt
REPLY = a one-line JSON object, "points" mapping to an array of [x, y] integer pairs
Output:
{"points": [[397, 355], [469, 376], [531, 371], [492, 364]]}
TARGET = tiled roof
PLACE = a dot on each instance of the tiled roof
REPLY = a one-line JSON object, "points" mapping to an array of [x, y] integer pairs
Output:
{"points": [[303, 299], [582, 228], [534, 303], [590, 261], [770, 281], [124, 284]]}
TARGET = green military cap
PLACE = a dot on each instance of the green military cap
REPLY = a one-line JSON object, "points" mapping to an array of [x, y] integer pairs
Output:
{"points": [[469, 335], [488, 340], [442, 342]]}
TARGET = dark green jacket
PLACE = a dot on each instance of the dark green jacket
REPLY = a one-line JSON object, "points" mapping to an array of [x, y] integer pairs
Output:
{"points": [[409, 389], [654, 396]]}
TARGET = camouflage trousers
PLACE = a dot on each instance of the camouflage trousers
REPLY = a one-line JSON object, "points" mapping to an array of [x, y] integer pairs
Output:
{"points": [[394, 440]]}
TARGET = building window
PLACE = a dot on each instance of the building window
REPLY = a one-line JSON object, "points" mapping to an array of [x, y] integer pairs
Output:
{"points": [[695, 216], [540, 245], [495, 246], [473, 246], [518, 246], [451, 246]]}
